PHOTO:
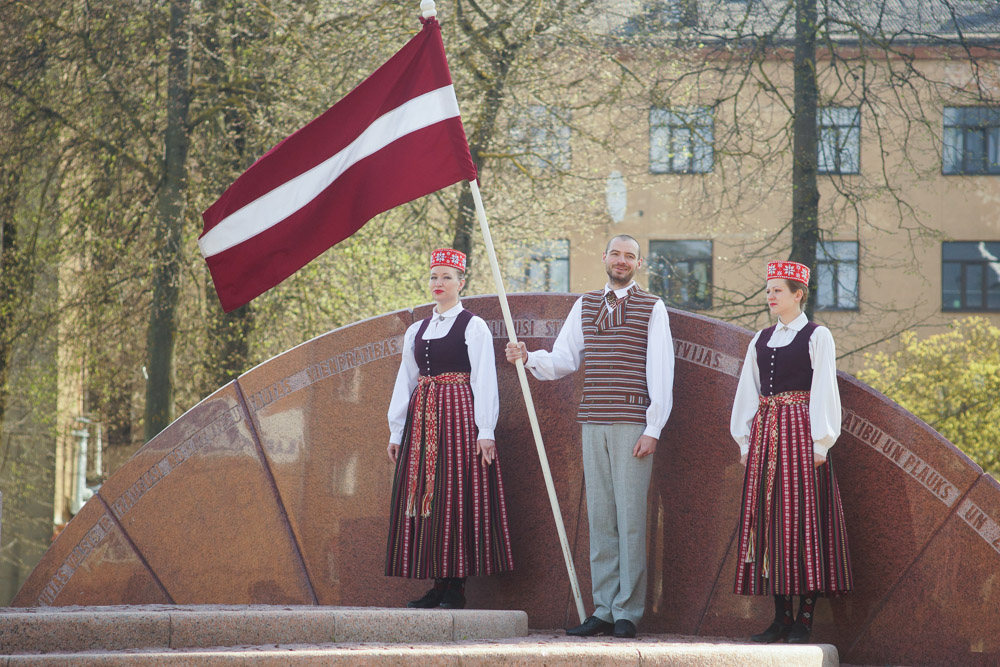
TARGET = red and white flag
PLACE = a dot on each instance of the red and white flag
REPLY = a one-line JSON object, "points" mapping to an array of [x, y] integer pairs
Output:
{"points": [[394, 138]]}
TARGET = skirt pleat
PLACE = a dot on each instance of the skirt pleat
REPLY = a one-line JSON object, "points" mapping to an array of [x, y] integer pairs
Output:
{"points": [[466, 533], [804, 532]]}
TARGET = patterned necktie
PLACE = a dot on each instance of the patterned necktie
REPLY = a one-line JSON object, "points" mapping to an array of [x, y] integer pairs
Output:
{"points": [[611, 298]]}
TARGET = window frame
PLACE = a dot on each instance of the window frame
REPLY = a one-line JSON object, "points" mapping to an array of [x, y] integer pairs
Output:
{"points": [[836, 262], [687, 119], [664, 292], [838, 148], [534, 254], [964, 306], [989, 120], [541, 127]]}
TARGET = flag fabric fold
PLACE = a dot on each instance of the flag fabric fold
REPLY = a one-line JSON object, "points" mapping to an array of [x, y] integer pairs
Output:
{"points": [[396, 137]]}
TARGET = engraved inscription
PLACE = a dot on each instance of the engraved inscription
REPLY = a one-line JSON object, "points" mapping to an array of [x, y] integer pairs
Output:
{"points": [[338, 363], [174, 458], [892, 449], [981, 522], [707, 357], [76, 557], [527, 328]]}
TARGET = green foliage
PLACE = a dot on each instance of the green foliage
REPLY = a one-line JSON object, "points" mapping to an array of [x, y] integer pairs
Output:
{"points": [[950, 380]]}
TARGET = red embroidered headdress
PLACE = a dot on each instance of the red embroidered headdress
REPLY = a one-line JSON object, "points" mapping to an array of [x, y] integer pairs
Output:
{"points": [[789, 270], [448, 257]]}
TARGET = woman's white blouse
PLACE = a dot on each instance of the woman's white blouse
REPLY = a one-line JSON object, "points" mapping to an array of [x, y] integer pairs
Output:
{"points": [[486, 396], [824, 395]]}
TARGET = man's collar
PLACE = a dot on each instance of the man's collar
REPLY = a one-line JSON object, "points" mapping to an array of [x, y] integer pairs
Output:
{"points": [[451, 312], [796, 324], [619, 292]]}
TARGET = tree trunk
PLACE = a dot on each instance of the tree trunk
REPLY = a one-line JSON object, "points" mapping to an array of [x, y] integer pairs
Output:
{"points": [[482, 137], [228, 341], [805, 194], [169, 225]]}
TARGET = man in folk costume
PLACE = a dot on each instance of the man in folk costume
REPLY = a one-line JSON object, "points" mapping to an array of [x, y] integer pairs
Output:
{"points": [[448, 518], [623, 334], [786, 417]]}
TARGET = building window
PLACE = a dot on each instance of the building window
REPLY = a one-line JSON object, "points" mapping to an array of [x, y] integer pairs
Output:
{"points": [[541, 267], [681, 140], [837, 275], [970, 275], [543, 134], [839, 140], [680, 272], [971, 140]]}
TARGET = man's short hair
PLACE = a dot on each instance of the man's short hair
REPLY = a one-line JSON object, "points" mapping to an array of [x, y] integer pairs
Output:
{"points": [[624, 237]]}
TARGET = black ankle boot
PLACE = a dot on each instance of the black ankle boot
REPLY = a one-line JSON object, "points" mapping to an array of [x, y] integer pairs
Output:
{"points": [[775, 632], [454, 594], [782, 624], [431, 598], [802, 629]]}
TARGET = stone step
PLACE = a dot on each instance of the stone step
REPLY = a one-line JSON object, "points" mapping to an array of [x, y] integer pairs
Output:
{"points": [[551, 649], [153, 627]]}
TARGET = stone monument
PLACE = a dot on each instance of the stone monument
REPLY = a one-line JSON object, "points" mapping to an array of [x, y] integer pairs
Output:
{"points": [[275, 490]]}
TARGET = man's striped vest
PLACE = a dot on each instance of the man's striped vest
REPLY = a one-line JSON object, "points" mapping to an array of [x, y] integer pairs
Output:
{"points": [[614, 343]]}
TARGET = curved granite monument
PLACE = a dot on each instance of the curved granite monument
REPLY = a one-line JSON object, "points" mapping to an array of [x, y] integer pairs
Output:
{"points": [[275, 489]]}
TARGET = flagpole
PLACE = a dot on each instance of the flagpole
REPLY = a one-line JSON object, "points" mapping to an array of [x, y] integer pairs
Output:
{"points": [[428, 11], [529, 404]]}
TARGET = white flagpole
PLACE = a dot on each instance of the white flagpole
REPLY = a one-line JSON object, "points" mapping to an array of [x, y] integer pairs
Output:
{"points": [[428, 10], [529, 404]]}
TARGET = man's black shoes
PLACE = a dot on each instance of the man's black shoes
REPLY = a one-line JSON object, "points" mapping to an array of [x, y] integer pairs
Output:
{"points": [[624, 629], [592, 627]]}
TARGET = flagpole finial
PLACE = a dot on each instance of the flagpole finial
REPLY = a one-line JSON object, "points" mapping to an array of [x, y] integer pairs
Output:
{"points": [[427, 6]]}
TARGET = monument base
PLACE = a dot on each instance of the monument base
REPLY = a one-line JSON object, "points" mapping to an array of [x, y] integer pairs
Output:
{"points": [[301, 635]]}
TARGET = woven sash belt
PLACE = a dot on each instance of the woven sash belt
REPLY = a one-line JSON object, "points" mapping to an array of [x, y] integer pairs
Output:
{"points": [[425, 423], [766, 426]]}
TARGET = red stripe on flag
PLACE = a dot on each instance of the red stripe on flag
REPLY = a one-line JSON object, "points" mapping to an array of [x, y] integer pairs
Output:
{"points": [[415, 165], [406, 169]]}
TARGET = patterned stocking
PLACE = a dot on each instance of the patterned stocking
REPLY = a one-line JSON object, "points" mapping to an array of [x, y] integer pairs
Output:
{"points": [[783, 609], [806, 604]]}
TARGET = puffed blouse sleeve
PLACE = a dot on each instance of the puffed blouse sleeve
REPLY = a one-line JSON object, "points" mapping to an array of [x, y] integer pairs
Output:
{"points": [[485, 394], [406, 382], [824, 394], [747, 399]]}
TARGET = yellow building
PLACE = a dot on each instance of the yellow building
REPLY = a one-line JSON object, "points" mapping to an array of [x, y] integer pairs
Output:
{"points": [[908, 163]]}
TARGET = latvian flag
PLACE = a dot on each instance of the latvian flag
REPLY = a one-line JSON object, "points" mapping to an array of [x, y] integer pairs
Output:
{"points": [[395, 137]]}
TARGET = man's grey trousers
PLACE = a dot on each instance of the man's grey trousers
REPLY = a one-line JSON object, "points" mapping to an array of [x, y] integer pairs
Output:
{"points": [[617, 486]]}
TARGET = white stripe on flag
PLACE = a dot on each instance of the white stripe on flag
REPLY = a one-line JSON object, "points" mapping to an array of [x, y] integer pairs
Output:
{"points": [[270, 209]]}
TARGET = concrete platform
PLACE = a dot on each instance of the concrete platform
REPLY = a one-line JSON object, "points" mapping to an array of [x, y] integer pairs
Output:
{"points": [[269, 635]]}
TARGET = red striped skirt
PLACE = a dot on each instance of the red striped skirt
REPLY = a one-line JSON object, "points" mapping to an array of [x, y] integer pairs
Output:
{"points": [[793, 538], [448, 516]]}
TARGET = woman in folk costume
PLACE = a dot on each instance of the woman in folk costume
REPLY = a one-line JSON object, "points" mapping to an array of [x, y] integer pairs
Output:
{"points": [[448, 518], [786, 417]]}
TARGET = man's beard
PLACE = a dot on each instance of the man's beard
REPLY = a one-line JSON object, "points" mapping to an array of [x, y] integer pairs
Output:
{"points": [[623, 281]]}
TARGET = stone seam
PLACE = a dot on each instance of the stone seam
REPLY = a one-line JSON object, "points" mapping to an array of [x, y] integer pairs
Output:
{"points": [[953, 512], [135, 548], [255, 435], [715, 583]]}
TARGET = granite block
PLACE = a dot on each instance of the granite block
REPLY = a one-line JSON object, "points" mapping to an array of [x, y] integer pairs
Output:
{"points": [[251, 627], [473, 624], [108, 631], [943, 609], [92, 561], [320, 411], [396, 625], [200, 492]]}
